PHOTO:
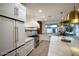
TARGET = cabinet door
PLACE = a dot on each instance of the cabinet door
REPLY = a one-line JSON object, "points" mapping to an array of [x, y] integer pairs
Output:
{"points": [[7, 9], [21, 51], [6, 34], [20, 12], [20, 33], [26, 49], [29, 46], [12, 53]]}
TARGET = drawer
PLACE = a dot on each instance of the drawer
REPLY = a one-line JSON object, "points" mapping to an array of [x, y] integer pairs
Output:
{"points": [[21, 51], [30, 42], [11, 54], [26, 49], [29, 48]]}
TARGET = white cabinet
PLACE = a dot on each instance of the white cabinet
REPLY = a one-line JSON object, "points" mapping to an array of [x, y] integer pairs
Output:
{"points": [[6, 34], [7, 9], [20, 12], [14, 10], [10, 35], [26, 49], [12, 53], [29, 46], [20, 33], [21, 51]]}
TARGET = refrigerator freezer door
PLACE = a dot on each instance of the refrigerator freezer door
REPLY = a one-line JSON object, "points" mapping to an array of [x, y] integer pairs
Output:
{"points": [[20, 33], [6, 35]]}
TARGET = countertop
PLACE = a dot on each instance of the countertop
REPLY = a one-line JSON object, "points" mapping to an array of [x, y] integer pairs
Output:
{"points": [[60, 48]]}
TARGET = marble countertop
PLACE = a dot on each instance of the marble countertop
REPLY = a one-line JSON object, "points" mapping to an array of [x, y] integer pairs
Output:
{"points": [[60, 48]]}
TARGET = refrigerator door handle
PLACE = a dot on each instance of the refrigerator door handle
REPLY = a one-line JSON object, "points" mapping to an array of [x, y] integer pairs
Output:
{"points": [[14, 39], [16, 34]]}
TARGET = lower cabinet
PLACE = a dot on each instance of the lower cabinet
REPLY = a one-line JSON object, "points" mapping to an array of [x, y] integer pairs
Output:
{"points": [[12, 53], [29, 47], [26, 49]]}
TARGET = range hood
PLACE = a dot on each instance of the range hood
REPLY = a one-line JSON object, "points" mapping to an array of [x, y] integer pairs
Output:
{"points": [[32, 25]]}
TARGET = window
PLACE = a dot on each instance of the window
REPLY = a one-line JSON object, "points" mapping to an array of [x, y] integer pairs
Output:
{"points": [[50, 28], [77, 30]]}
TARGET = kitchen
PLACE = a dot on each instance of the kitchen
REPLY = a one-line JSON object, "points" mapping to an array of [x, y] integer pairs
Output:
{"points": [[37, 29]]}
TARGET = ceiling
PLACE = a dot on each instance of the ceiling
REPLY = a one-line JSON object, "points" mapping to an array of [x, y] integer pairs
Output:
{"points": [[51, 12]]}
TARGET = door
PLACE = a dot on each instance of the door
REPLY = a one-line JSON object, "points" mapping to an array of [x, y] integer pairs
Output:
{"points": [[20, 33], [12, 54], [39, 31], [26, 49], [19, 12], [20, 37], [6, 34], [7, 9]]}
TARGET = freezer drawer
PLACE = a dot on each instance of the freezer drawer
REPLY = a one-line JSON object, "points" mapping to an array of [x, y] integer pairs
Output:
{"points": [[11, 54], [26, 49], [6, 34]]}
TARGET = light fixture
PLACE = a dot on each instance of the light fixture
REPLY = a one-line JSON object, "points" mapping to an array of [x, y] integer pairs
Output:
{"points": [[77, 9], [43, 16], [40, 11], [65, 21], [73, 16]]}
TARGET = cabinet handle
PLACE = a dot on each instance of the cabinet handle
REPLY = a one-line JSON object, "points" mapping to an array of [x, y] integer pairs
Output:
{"points": [[16, 40], [16, 34], [14, 37]]}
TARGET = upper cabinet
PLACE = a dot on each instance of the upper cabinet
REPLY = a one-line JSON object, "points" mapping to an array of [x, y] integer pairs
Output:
{"points": [[7, 35], [7, 9], [19, 12], [13, 10]]}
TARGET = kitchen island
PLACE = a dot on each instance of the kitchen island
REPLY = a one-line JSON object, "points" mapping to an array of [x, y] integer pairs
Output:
{"points": [[60, 48]]}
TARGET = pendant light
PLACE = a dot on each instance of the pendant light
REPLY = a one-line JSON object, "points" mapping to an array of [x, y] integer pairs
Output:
{"points": [[66, 21], [73, 16]]}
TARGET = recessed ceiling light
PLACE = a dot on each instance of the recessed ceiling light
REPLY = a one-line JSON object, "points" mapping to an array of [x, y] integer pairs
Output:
{"points": [[62, 17], [77, 9], [43, 16], [40, 11]]}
